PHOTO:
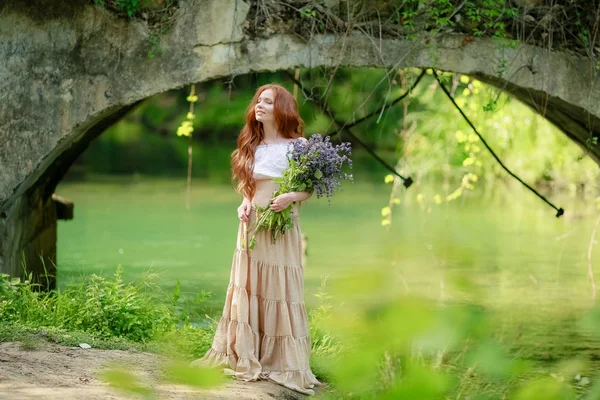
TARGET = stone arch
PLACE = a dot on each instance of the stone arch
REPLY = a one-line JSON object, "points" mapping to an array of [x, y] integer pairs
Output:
{"points": [[65, 78]]}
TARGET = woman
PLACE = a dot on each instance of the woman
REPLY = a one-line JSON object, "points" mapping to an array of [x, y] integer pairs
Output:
{"points": [[263, 333]]}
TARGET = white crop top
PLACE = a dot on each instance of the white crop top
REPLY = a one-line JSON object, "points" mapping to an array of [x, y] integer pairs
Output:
{"points": [[270, 160]]}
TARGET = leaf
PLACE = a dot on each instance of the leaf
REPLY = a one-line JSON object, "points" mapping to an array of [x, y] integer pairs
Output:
{"points": [[182, 373], [122, 379], [468, 161], [454, 195], [302, 187], [318, 174]]}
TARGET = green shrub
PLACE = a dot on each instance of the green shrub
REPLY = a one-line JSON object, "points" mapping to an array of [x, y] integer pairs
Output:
{"points": [[100, 306]]}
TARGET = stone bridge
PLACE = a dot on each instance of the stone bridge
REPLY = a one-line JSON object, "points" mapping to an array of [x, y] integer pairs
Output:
{"points": [[67, 74]]}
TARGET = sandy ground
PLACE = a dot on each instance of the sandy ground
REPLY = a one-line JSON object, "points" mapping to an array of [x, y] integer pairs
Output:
{"points": [[57, 372]]}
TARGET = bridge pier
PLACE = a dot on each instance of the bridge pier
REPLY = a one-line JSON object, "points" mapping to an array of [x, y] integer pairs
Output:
{"points": [[28, 239]]}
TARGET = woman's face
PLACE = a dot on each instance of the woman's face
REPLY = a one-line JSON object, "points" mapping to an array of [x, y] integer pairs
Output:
{"points": [[263, 110]]}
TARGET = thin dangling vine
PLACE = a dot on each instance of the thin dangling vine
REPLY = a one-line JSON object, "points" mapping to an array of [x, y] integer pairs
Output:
{"points": [[185, 129]]}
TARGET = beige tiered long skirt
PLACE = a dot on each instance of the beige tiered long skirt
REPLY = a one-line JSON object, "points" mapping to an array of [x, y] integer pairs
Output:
{"points": [[263, 333]]}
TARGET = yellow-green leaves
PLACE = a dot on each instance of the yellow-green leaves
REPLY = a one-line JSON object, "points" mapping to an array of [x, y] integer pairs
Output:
{"points": [[545, 389], [187, 126], [419, 382], [174, 371], [386, 212], [468, 161], [467, 179], [185, 129], [202, 377], [454, 195], [122, 379], [465, 183]]}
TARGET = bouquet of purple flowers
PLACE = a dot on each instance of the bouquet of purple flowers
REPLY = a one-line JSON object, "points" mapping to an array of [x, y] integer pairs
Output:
{"points": [[315, 166]]}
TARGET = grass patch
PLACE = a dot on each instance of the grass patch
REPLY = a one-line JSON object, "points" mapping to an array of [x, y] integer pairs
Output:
{"points": [[104, 313], [31, 337], [30, 342], [102, 307]]}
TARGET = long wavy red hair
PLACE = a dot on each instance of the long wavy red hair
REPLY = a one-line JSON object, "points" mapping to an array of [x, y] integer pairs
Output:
{"points": [[289, 124]]}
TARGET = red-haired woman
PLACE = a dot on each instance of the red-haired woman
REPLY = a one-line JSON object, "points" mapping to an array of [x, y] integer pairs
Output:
{"points": [[263, 333]]}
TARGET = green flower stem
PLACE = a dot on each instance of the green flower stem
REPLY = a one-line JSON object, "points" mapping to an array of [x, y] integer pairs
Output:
{"points": [[279, 222], [276, 221]]}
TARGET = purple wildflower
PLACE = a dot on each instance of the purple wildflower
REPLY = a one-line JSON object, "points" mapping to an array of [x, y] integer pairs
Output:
{"points": [[315, 165], [319, 164]]}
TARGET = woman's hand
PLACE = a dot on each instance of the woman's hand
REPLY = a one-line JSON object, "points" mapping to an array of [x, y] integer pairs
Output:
{"points": [[282, 201], [243, 210]]}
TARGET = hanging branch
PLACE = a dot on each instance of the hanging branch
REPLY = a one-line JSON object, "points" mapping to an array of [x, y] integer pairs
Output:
{"points": [[341, 126], [559, 211], [589, 258], [185, 129], [386, 212], [296, 86], [380, 109]]}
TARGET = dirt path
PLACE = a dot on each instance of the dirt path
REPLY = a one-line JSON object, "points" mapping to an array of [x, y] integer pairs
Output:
{"points": [[58, 372]]}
